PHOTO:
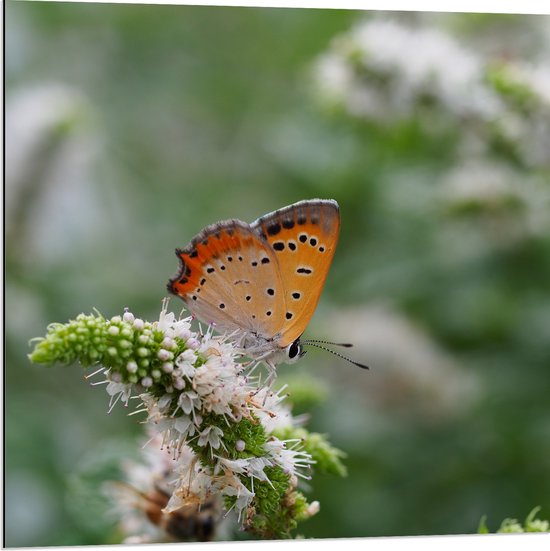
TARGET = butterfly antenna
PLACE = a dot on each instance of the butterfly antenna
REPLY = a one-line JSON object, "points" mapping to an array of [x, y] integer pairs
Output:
{"points": [[317, 345], [345, 344]]}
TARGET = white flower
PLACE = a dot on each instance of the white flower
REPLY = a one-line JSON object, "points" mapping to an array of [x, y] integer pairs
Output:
{"points": [[211, 436], [185, 362], [274, 414], [146, 382], [128, 317], [185, 426], [193, 343], [164, 355], [164, 402], [168, 367], [407, 64], [288, 459], [171, 327], [188, 356], [199, 490], [188, 401], [118, 391], [221, 388], [313, 508], [234, 487], [132, 366], [179, 383], [138, 324], [235, 465], [256, 466]]}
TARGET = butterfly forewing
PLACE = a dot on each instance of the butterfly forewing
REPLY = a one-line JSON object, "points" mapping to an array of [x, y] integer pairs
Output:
{"points": [[303, 238], [229, 275]]}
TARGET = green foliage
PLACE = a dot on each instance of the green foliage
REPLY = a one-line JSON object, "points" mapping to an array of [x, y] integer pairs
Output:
{"points": [[511, 87], [273, 519], [513, 526]]}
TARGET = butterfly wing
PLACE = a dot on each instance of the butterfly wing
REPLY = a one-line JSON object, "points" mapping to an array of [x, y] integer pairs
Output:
{"points": [[229, 275], [303, 238]]}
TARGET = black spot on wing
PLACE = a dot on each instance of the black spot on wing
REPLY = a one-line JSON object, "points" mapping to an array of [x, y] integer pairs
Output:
{"points": [[274, 228], [288, 223]]}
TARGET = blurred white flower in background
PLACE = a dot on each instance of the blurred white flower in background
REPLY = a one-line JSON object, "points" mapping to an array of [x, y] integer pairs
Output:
{"points": [[140, 502], [408, 373], [382, 70], [50, 151], [509, 206], [386, 71]]}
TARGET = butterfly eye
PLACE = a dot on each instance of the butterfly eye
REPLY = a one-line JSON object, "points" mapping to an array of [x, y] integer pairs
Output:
{"points": [[294, 351]]}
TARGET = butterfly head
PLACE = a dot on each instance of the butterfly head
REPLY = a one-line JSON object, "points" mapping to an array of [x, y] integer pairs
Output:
{"points": [[294, 352]]}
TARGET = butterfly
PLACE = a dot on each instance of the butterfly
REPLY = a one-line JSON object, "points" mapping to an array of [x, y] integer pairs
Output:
{"points": [[261, 280]]}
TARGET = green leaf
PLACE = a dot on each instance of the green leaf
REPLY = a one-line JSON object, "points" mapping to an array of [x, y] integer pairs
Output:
{"points": [[482, 527]]}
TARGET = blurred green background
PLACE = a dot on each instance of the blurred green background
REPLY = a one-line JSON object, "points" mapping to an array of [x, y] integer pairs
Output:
{"points": [[129, 128]]}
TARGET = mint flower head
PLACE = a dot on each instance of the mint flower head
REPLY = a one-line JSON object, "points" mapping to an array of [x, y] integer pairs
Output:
{"points": [[231, 439]]}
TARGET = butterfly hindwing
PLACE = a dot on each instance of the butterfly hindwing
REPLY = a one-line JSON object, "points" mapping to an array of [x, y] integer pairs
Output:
{"points": [[303, 238], [263, 279]]}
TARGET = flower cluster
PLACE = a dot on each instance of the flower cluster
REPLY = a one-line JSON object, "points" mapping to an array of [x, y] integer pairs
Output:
{"points": [[230, 438], [493, 112], [371, 70], [387, 73]]}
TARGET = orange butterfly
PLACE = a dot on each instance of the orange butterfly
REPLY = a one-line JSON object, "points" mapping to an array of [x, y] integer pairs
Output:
{"points": [[263, 279]]}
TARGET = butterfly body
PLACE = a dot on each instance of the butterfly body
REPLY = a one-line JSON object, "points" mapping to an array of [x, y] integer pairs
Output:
{"points": [[261, 280]]}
